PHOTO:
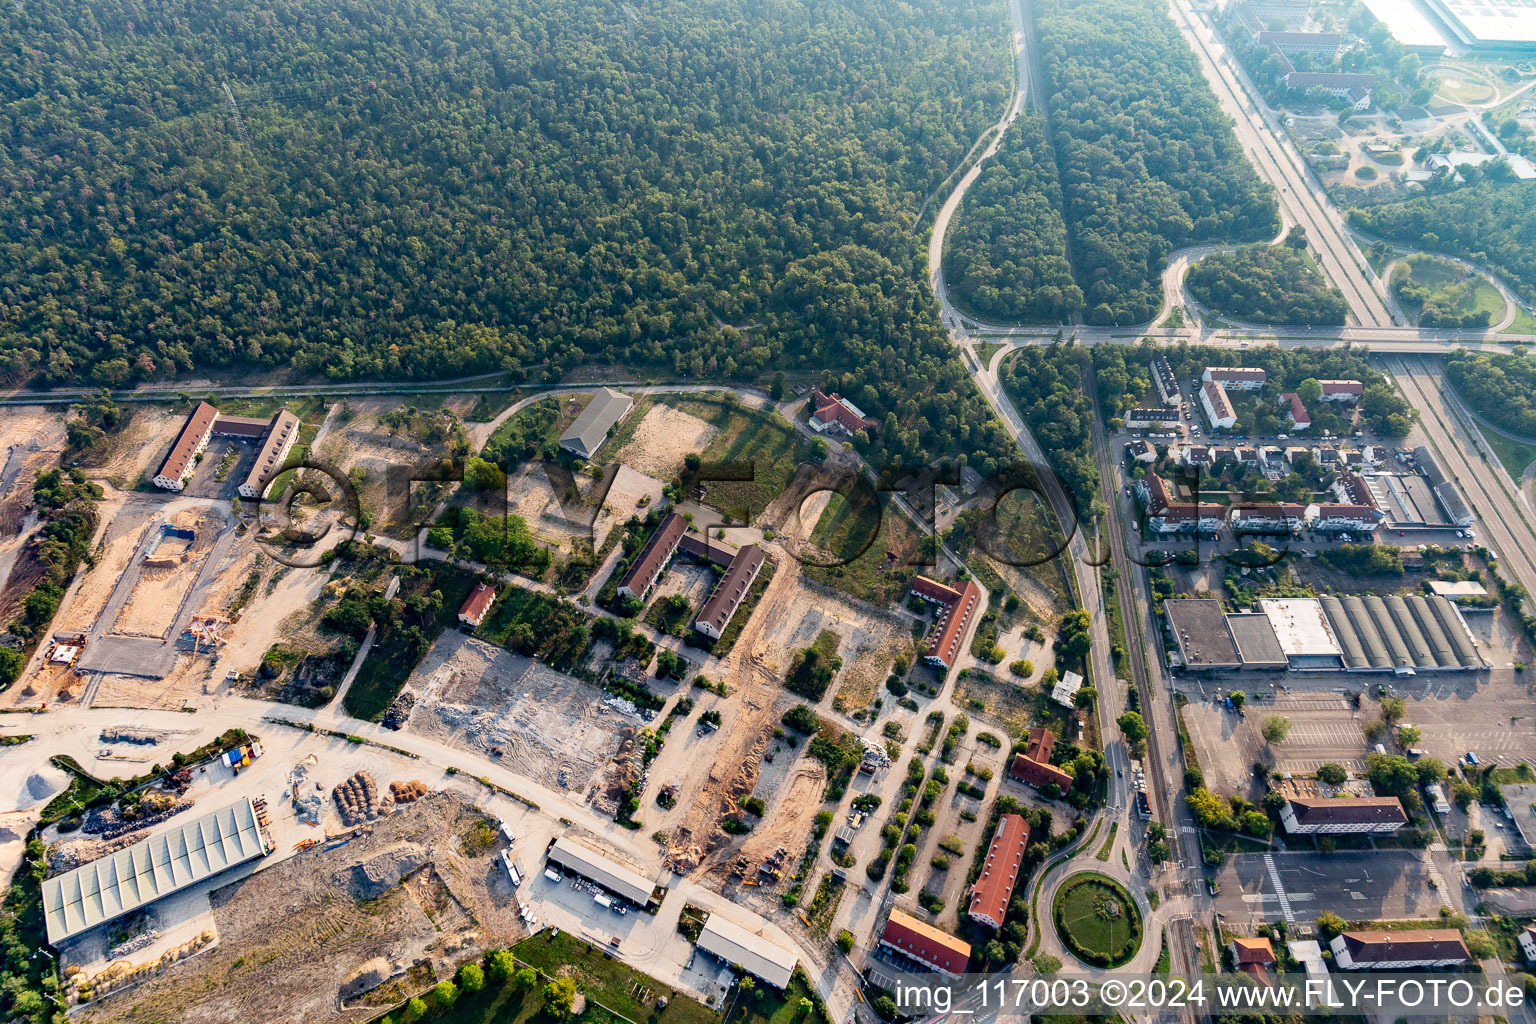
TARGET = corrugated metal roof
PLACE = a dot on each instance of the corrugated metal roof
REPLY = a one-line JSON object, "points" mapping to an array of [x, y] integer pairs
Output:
{"points": [[166, 862], [607, 873], [756, 954], [587, 434]]}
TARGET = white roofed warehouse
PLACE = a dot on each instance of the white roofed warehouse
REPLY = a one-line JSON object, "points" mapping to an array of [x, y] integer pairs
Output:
{"points": [[608, 873], [758, 956], [166, 862]]}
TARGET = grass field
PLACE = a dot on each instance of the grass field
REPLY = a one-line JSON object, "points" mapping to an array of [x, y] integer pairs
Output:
{"points": [[599, 977], [1523, 323], [759, 440], [871, 551], [1514, 455], [1449, 287], [1461, 90], [1097, 919]]}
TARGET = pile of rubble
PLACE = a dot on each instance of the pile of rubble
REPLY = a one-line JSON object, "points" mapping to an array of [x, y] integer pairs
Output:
{"points": [[357, 799], [306, 798], [399, 710]]}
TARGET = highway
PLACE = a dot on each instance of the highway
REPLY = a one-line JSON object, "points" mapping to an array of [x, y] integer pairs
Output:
{"points": [[1277, 161], [1502, 524]]}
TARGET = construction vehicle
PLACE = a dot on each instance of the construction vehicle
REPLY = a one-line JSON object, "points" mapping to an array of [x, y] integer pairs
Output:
{"points": [[305, 844]]}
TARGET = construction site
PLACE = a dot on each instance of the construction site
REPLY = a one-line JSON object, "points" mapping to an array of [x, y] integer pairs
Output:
{"points": [[539, 723]]}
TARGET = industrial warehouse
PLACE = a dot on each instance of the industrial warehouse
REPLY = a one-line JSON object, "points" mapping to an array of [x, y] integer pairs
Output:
{"points": [[611, 875], [767, 961], [1398, 634], [166, 862]]}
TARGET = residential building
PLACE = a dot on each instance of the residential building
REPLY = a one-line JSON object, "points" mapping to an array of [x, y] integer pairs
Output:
{"points": [[1164, 515], [1217, 406], [1351, 489], [1527, 939], [1143, 451], [1282, 517], [1292, 12], [1252, 956], [1398, 951], [1246, 456], [590, 430], [1236, 378], [1333, 518], [1381, 815], [1348, 391], [835, 414], [730, 592], [1167, 384], [957, 612], [1341, 85], [190, 443], [912, 939], [472, 611], [994, 887], [1033, 767], [1295, 411], [1065, 690], [652, 560], [277, 441], [1150, 417]]}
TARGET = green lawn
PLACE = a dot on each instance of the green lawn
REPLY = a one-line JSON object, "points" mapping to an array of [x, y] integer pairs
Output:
{"points": [[869, 550], [611, 982], [1524, 322], [599, 977], [986, 350], [1514, 455], [766, 1006], [1097, 919]]}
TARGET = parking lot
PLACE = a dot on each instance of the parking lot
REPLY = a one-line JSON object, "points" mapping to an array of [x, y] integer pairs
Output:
{"points": [[1367, 885]]}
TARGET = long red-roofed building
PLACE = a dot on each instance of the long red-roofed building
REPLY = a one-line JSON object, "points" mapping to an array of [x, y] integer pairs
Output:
{"points": [[994, 887], [958, 608], [906, 935]]}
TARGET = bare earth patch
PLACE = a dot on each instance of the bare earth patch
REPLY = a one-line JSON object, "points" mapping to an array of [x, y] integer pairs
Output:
{"points": [[663, 438]]}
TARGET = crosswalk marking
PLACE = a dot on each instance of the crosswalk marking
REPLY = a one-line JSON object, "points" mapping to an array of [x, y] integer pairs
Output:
{"points": [[1274, 879]]}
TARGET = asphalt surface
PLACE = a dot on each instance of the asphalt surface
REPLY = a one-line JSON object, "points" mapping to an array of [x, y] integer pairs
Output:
{"points": [[1366, 885]]}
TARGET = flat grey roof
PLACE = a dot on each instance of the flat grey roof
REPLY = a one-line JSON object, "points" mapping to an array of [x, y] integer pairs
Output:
{"points": [[166, 862], [587, 434], [1201, 634], [1256, 642], [607, 873], [757, 955]]}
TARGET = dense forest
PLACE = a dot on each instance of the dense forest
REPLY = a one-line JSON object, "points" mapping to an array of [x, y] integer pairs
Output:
{"points": [[1005, 256], [1046, 384], [1148, 161], [1500, 387], [1491, 224], [427, 188], [1268, 284]]}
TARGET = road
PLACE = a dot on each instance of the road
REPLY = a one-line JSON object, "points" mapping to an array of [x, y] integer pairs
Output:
{"points": [[1278, 162], [948, 313], [1451, 435]]}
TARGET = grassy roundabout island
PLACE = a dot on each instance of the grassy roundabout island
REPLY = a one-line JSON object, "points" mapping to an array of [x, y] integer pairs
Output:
{"points": [[1097, 919]]}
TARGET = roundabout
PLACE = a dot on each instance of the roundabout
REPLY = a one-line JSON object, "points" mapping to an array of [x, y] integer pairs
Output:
{"points": [[1097, 920]]}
